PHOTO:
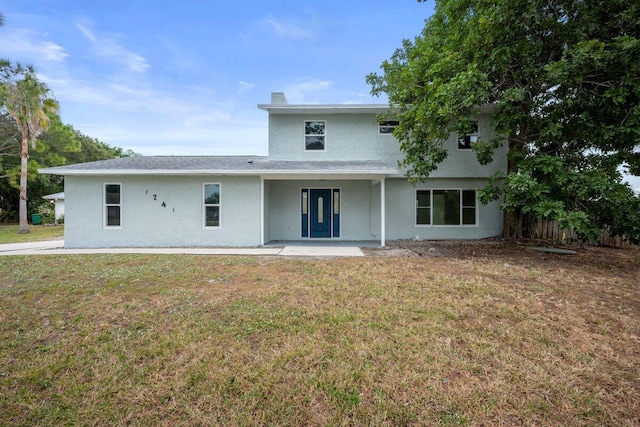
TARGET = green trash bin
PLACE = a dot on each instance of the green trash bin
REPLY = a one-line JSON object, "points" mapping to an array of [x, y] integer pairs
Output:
{"points": [[35, 219]]}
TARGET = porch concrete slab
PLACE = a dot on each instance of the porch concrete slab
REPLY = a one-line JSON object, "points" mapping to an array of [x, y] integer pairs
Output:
{"points": [[324, 250]]}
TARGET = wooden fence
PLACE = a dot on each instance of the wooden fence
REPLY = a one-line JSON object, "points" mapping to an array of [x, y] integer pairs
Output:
{"points": [[550, 230]]}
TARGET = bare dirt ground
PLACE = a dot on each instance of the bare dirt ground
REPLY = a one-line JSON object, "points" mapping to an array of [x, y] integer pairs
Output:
{"points": [[520, 252]]}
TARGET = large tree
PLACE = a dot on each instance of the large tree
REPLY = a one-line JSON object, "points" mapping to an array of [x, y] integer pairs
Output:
{"points": [[27, 100], [60, 144], [563, 77]]}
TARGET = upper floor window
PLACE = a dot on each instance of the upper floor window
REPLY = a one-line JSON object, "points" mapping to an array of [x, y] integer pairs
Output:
{"points": [[386, 127], [314, 135], [464, 142], [112, 205], [212, 205]]}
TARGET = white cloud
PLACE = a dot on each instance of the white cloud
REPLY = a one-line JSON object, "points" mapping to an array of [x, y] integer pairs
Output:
{"points": [[154, 122], [232, 137], [108, 47], [27, 44], [122, 98], [245, 86], [298, 92], [179, 57], [287, 30], [86, 32]]}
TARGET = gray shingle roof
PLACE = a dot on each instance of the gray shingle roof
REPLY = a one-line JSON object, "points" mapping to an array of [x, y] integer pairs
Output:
{"points": [[218, 164]]}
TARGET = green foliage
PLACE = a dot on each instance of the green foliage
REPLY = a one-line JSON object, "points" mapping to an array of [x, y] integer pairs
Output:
{"points": [[562, 77], [59, 145], [28, 102]]}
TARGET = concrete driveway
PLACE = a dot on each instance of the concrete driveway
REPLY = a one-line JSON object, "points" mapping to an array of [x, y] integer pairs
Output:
{"points": [[56, 247]]}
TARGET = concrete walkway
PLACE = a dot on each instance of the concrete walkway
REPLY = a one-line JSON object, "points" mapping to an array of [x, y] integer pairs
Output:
{"points": [[56, 247]]}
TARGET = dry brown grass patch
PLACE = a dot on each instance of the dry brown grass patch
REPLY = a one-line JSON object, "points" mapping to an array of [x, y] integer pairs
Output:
{"points": [[422, 340]]}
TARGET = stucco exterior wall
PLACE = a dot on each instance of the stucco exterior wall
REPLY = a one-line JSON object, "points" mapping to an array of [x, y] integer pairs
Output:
{"points": [[348, 137], [355, 137], [463, 163], [401, 212], [145, 222], [58, 209]]}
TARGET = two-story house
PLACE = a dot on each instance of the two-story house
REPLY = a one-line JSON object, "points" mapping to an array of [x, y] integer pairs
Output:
{"points": [[331, 174]]}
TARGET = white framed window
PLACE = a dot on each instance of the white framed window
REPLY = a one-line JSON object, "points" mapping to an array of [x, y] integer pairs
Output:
{"points": [[112, 205], [386, 127], [315, 135], [211, 205], [436, 207], [423, 207], [464, 142]]}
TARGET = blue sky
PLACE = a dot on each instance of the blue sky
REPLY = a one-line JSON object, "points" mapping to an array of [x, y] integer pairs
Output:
{"points": [[172, 77], [184, 77]]}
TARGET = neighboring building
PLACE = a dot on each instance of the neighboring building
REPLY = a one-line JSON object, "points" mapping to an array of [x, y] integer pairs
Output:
{"points": [[58, 202], [331, 174]]}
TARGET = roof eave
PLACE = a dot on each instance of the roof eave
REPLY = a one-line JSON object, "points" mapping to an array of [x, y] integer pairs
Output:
{"points": [[324, 108], [236, 172]]}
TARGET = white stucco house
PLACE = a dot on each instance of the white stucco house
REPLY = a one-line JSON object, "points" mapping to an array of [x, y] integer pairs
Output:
{"points": [[331, 173], [58, 204]]}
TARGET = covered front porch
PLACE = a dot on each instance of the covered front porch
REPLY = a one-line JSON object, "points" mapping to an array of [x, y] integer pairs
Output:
{"points": [[344, 210]]}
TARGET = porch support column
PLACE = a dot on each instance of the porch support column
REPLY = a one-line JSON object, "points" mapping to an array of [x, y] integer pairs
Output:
{"points": [[261, 210], [383, 209]]}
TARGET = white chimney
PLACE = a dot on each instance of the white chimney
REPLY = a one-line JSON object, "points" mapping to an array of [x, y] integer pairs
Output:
{"points": [[278, 98]]}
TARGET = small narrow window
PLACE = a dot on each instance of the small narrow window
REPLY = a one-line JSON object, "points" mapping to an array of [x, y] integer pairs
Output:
{"points": [[212, 205], [468, 207], [464, 142], [304, 212], [336, 212], [305, 202], [314, 135], [320, 210], [423, 207], [386, 127], [112, 205]]}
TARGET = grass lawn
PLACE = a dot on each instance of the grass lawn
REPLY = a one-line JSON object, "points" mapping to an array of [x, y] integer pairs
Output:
{"points": [[9, 233], [170, 340]]}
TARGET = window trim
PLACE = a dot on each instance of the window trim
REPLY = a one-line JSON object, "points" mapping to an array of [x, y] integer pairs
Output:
{"points": [[205, 205], [105, 206], [462, 207], [386, 124], [424, 207], [324, 135], [468, 136]]}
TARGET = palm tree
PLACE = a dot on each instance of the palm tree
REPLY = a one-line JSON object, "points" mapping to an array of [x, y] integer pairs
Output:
{"points": [[28, 102]]}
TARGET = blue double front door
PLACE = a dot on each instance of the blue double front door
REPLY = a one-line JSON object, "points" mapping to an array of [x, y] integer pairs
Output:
{"points": [[320, 213]]}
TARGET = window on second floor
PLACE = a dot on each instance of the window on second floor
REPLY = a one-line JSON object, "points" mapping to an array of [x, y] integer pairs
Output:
{"points": [[314, 135], [464, 142], [386, 127]]}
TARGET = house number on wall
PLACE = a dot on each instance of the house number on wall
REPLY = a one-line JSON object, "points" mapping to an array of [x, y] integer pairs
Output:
{"points": [[155, 198]]}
